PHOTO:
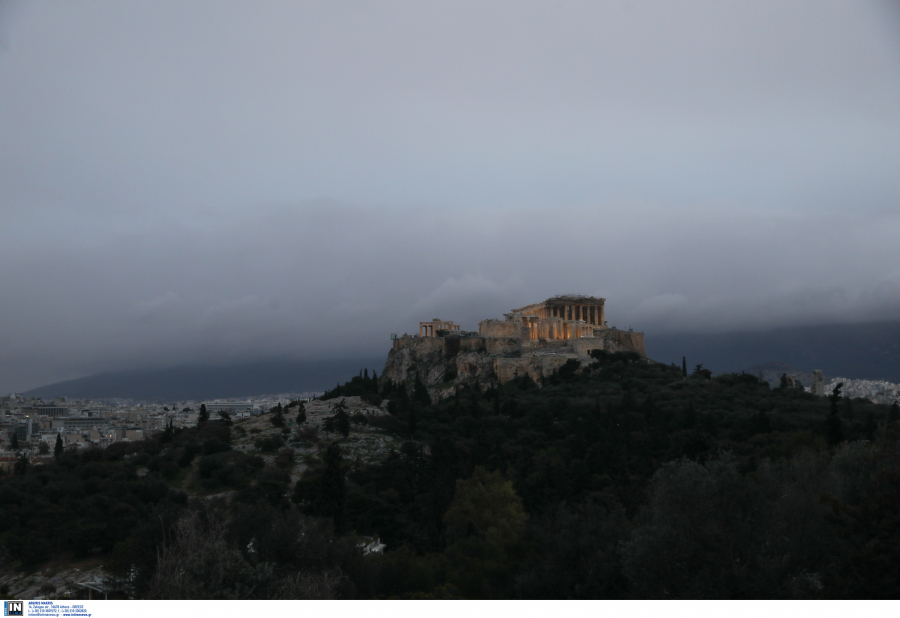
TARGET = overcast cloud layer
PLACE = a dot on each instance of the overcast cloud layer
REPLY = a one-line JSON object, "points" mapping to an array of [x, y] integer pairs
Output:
{"points": [[224, 181]]}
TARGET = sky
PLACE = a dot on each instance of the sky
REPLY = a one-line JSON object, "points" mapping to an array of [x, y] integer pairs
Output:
{"points": [[219, 182]]}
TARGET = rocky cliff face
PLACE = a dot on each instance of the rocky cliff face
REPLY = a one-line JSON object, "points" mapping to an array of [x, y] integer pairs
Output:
{"points": [[445, 363]]}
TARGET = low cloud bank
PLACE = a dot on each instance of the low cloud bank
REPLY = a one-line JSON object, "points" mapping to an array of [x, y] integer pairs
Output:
{"points": [[328, 280]]}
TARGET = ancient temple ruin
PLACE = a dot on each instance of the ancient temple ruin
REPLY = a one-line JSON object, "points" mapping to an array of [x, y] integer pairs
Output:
{"points": [[534, 340], [434, 328], [560, 317]]}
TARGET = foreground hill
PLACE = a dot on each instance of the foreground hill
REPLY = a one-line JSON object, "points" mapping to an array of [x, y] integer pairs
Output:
{"points": [[209, 382], [619, 479]]}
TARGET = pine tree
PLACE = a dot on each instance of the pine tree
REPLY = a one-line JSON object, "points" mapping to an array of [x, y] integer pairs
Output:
{"points": [[59, 448], [204, 414]]}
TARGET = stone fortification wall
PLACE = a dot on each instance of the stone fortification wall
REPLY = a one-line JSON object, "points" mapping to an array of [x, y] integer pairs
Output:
{"points": [[627, 341], [412, 354], [503, 347], [444, 363], [612, 340], [472, 344], [501, 329]]}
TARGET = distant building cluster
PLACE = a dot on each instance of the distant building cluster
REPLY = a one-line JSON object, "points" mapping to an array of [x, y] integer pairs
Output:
{"points": [[879, 391], [27, 423]]}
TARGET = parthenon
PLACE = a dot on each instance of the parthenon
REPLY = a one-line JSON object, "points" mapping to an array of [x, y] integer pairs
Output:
{"points": [[577, 317], [560, 317]]}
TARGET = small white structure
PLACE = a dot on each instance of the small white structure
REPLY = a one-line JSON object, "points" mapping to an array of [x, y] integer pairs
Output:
{"points": [[370, 546]]}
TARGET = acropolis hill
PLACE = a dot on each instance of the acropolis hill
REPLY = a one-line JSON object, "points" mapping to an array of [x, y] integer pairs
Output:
{"points": [[535, 341]]}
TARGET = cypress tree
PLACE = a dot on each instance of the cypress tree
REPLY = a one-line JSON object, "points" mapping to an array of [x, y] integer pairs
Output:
{"points": [[894, 413], [332, 484], [278, 418], [342, 422], [21, 466], [59, 448], [301, 414], [14, 444], [167, 433], [204, 415], [684, 366], [834, 427]]}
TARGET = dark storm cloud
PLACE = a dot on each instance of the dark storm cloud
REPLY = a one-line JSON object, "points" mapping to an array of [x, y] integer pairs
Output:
{"points": [[227, 182]]}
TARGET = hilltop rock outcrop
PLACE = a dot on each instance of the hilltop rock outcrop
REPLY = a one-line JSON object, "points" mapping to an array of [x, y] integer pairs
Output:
{"points": [[452, 359]]}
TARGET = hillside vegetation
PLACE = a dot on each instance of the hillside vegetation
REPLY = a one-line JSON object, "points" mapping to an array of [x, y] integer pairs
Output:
{"points": [[624, 479]]}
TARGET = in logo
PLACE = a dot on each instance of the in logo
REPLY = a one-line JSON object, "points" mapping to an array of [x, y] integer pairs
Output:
{"points": [[12, 608]]}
